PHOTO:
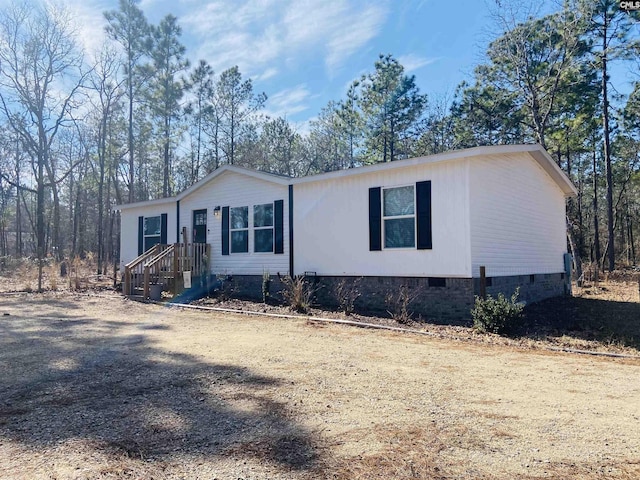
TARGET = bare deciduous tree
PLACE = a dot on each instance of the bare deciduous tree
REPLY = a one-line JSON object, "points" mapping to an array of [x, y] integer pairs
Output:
{"points": [[40, 77]]}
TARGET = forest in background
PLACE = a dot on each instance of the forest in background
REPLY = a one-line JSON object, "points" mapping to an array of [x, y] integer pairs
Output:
{"points": [[141, 121]]}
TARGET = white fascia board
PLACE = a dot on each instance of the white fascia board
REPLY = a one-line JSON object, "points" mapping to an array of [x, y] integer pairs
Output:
{"points": [[147, 203], [536, 151], [409, 162], [543, 158]]}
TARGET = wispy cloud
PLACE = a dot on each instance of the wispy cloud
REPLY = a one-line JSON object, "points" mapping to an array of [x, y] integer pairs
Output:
{"points": [[288, 101], [266, 75], [230, 34], [258, 33], [87, 23], [412, 62], [353, 33]]}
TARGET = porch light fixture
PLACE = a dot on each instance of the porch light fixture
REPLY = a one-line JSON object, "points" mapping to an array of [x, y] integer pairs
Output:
{"points": [[216, 211]]}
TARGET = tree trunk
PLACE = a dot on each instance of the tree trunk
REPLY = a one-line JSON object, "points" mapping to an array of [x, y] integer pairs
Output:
{"points": [[101, 166], [607, 149], [632, 242], [629, 237], [130, 136], [577, 261], [80, 220], [19, 250], [596, 226], [40, 227], [166, 191], [56, 241]]}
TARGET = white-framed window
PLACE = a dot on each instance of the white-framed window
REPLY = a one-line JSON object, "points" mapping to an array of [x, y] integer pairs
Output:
{"points": [[263, 227], [152, 231], [239, 229], [399, 218]]}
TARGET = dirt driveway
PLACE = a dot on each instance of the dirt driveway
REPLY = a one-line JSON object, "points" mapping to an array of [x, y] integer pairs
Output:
{"points": [[101, 387]]}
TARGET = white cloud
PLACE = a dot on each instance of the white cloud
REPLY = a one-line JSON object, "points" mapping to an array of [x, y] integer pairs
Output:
{"points": [[267, 74], [304, 127], [338, 28], [353, 33], [412, 62], [260, 33], [230, 34], [88, 23], [288, 101]]}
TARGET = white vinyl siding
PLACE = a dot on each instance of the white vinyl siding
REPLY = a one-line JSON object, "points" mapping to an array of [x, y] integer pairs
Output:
{"points": [[232, 189], [501, 207], [129, 227], [331, 219], [517, 217]]}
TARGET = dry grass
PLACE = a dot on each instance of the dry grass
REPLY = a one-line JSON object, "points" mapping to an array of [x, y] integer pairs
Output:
{"points": [[603, 316], [21, 275], [410, 452], [89, 392]]}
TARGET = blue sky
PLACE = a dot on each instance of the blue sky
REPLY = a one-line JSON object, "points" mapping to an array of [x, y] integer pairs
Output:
{"points": [[304, 53]]}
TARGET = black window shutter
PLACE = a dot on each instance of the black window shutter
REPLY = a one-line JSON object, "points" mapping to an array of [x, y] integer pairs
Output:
{"points": [[423, 215], [278, 224], [178, 221], [140, 235], [163, 229], [225, 230], [375, 219]]}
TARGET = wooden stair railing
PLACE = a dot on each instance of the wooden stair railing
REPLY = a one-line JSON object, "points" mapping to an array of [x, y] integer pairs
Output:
{"points": [[134, 270], [164, 264], [161, 268]]}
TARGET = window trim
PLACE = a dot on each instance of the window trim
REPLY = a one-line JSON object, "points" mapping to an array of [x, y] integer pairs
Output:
{"points": [[267, 227], [231, 230], [384, 217]]}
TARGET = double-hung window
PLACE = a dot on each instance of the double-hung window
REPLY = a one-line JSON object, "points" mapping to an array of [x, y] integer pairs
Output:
{"points": [[152, 231], [263, 227], [399, 217], [239, 229]]}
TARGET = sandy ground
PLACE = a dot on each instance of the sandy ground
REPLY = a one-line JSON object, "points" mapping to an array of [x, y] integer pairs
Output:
{"points": [[102, 387]]}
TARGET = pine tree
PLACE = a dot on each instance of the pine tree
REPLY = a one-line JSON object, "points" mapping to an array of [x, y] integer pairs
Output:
{"points": [[391, 104], [166, 89], [128, 26]]}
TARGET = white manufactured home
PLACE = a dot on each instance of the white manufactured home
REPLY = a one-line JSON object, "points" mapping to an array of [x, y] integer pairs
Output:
{"points": [[428, 223]]}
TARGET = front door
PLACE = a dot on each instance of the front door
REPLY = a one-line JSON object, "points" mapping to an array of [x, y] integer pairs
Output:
{"points": [[200, 226]]}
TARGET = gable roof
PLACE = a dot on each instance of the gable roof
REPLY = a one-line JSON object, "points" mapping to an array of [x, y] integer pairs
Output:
{"points": [[536, 152], [268, 177]]}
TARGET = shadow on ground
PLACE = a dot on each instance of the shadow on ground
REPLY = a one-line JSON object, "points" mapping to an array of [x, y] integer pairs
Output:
{"points": [[605, 321], [121, 392]]}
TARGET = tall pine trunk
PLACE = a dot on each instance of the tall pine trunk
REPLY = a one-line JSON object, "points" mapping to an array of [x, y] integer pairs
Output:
{"points": [[611, 251], [596, 226]]}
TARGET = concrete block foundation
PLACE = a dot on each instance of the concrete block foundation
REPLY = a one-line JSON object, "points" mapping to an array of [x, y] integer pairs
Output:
{"points": [[434, 299]]}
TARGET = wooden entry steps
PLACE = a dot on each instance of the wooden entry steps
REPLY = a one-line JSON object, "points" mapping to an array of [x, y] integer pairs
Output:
{"points": [[164, 265]]}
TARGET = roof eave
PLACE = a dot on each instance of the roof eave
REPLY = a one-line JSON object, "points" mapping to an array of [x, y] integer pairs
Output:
{"points": [[540, 155], [145, 203]]}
